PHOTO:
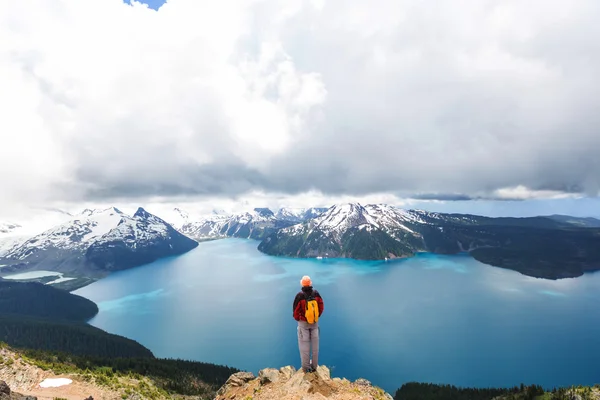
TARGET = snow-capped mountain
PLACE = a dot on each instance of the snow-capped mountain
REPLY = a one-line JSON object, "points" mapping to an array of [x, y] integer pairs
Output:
{"points": [[79, 242], [254, 224], [333, 233], [137, 240], [76, 234], [178, 218], [299, 214], [536, 246]]}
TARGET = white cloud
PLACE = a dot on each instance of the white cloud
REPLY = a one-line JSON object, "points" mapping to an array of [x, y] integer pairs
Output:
{"points": [[523, 193], [104, 101]]}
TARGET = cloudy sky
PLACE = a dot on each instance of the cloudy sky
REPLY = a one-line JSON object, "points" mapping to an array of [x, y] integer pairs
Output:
{"points": [[301, 102]]}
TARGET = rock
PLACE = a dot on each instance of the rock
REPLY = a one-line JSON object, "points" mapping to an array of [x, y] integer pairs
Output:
{"points": [[287, 372], [324, 372], [236, 380], [362, 382], [287, 383], [268, 375], [5, 393], [239, 378], [4, 388], [297, 382]]}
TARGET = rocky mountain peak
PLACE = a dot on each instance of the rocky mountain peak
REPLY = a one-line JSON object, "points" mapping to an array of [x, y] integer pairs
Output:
{"points": [[88, 212], [183, 214], [264, 212], [343, 216], [286, 384], [141, 213]]}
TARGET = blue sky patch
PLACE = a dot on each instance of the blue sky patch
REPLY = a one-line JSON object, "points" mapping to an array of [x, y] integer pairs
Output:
{"points": [[155, 4]]}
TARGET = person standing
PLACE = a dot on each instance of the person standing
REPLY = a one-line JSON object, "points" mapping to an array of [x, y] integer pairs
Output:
{"points": [[308, 308]]}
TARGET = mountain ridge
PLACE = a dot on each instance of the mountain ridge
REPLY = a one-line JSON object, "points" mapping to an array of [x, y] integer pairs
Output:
{"points": [[253, 224], [535, 246], [95, 242]]}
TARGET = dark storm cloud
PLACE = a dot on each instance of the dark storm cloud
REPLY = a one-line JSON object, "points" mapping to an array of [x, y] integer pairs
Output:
{"points": [[442, 197], [440, 101], [225, 180]]}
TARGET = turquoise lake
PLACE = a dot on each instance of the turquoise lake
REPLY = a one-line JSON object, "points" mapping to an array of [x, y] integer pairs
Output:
{"points": [[431, 318]]}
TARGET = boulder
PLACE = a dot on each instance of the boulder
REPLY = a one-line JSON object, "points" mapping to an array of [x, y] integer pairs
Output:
{"points": [[287, 372], [6, 394], [4, 389], [362, 382], [268, 375], [323, 372], [236, 380], [297, 382], [239, 378]]}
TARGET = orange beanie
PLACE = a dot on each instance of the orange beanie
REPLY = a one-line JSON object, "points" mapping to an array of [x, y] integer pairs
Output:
{"points": [[305, 281]]}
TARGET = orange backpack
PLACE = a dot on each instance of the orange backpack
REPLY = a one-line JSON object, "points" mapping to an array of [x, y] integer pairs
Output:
{"points": [[311, 311]]}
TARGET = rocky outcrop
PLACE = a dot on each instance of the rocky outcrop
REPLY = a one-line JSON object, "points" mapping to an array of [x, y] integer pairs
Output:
{"points": [[7, 394], [288, 384]]}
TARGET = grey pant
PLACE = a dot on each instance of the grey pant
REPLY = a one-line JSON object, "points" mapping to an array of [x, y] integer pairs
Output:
{"points": [[308, 334]]}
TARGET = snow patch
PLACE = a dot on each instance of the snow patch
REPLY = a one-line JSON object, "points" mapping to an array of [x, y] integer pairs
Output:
{"points": [[39, 274], [33, 275], [55, 382], [59, 280]]}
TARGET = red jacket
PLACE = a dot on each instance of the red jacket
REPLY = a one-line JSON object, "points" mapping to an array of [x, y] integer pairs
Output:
{"points": [[300, 303]]}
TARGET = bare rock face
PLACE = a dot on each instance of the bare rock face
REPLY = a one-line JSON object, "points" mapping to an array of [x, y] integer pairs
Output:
{"points": [[7, 394], [236, 380], [324, 372], [4, 389], [268, 375], [287, 372], [289, 384]]}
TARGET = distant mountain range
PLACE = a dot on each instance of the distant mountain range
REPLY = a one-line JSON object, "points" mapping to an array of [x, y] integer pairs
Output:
{"points": [[256, 224], [95, 242], [88, 245], [547, 247], [577, 221]]}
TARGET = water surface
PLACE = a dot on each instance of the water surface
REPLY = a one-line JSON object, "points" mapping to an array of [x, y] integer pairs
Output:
{"points": [[431, 318]]}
